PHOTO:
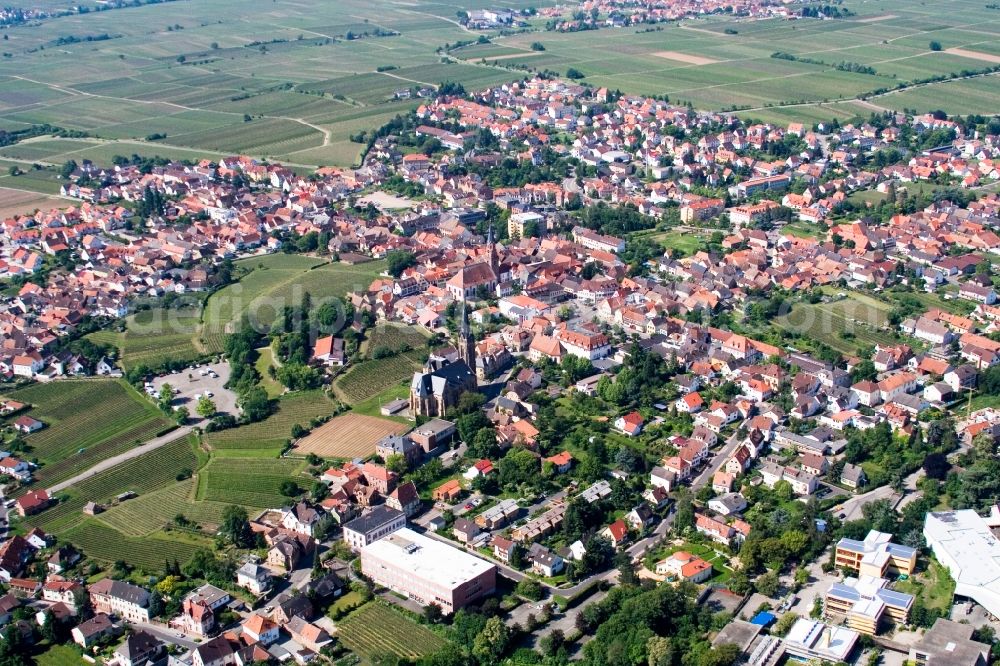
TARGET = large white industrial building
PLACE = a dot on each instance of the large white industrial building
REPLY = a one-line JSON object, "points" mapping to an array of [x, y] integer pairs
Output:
{"points": [[964, 542]]}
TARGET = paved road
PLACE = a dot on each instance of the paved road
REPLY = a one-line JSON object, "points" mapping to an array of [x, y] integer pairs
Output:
{"points": [[145, 447], [167, 635]]}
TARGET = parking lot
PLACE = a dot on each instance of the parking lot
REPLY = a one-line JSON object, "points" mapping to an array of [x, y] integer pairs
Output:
{"points": [[191, 383]]}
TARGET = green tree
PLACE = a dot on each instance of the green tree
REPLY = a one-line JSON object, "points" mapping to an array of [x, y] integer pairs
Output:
{"points": [[67, 170], [768, 584], [398, 261], [206, 407], [235, 526], [491, 643]]}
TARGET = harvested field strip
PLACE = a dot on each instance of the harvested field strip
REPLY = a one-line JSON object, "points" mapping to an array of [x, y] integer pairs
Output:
{"points": [[975, 55], [685, 58], [348, 436]]}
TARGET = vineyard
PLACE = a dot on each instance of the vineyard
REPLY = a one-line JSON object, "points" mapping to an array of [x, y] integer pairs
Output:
{"points": [[148, 513], [146, 473], [252, 482], [155, 336], [86, 421], [149, 553], [372, 377], [377, 629], [275, 430], [348, 436], [395, 338], [274, 282]]}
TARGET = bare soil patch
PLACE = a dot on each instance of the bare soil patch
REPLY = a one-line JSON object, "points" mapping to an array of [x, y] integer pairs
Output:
{"points": [[348, 436], [874, 19], [20, 202], [387, 201], [975, 55], [511, 56], [686, 58]]}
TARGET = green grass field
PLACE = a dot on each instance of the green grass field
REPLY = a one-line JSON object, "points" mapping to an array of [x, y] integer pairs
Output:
{"points": [[272, 432], [934, 586], [375, 628], [87, 420], [59, 655]]}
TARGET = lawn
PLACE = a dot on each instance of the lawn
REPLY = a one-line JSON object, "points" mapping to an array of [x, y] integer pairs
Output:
{"points": [[265, 359], [935, 586], [87, 420], [376, 628], [59, 655]]}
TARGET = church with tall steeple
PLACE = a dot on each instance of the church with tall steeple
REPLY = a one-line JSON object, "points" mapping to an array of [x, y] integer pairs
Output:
{"points": [[466, 342], [436, 390]]}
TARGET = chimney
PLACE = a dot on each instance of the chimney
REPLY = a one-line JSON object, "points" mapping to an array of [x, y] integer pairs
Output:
{"points": [[824, 638]]}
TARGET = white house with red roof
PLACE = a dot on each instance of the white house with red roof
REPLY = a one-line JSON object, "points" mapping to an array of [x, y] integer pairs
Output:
{"points": [[630, 424], [616, 533]]}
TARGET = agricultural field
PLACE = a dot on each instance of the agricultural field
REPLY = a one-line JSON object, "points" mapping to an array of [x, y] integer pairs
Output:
{"points": [[272, 283], [252, 482], [149, 553], [153, 337], [271, 434], [148, 513], [87, 420], [144, 474], [369, 378], [722, 63], [395, 338], [22, 202], [291, 82], [221, 77], [845, 324], [378, 629], [348, 436]]}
